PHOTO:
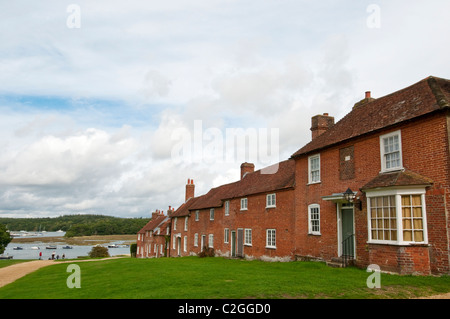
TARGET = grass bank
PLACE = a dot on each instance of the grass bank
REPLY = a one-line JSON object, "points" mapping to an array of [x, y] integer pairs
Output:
{"points": [[193, 277]]}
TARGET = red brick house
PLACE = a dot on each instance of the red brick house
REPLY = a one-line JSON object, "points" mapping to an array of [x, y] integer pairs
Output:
{"points": [[373, 188], [152, 239], [393, 153], [251, 218]]}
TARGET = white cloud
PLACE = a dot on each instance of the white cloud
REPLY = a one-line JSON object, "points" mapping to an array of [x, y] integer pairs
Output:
{"points": [[136, 71]]}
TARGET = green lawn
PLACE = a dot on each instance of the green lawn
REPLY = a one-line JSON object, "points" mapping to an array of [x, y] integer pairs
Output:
{"points": [[193, 277]]}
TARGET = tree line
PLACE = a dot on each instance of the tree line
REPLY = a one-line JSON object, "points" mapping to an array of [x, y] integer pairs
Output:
{"points": [[78, 225]]}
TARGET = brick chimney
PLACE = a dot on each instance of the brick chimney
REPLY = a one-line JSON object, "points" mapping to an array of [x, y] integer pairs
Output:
{"points": [[321, 123], [247, 168], [367, 98], [190, 187], [155, 214]]}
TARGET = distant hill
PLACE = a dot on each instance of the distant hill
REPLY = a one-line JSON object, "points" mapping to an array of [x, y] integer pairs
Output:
{"points": [[78, 225]]}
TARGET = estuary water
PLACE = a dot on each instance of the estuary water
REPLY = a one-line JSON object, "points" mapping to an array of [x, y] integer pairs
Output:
{"points": [[32, 250]]}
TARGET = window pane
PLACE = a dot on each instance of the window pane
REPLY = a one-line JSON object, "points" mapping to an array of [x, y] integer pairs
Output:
{"points": [[393, 223], [393, 235], [418, 224], [406, 212], [417, 211], [379, 212], [407, 224], [418, 236], [407, 235], [393, 212], [416, 200], [373, 212], [406, 200]]}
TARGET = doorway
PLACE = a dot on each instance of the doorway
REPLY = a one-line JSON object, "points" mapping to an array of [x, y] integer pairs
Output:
{"points": [[233, 243], [347, 231], [240, 243], [178, 246]]}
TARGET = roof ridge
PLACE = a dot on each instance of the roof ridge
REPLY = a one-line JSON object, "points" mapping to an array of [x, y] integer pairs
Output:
{"points": [[433, 91], [437, 92]]}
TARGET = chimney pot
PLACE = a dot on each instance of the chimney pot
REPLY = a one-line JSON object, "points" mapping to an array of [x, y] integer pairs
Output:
{"points": [[367, 94]]}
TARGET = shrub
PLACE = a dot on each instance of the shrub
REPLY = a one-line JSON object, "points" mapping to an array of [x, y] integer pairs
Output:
{"points": [[133, 250], [207, 252], [99, 251]]}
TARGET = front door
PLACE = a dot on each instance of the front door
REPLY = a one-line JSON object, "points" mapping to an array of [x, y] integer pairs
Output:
{"points": [[203, 243], [348, 232], [233, 243], [240, 242]]}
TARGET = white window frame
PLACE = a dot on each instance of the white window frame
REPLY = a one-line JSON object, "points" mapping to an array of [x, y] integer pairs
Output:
{"points": [[211, 241], [383, 153], [196, 240], [175, 223], [310, 171], [211, 214], [227, 208], [186, 223], [244, 203], [185, 244], [197, 215], [271, 200], [271, 238], [247, 236], [226, 235], [174, 242], [310, 219], [419, 190]]}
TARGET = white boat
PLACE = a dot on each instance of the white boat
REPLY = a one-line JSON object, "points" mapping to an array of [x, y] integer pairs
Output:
{"points": [[113, 246], [35, 248], [50, 247]]}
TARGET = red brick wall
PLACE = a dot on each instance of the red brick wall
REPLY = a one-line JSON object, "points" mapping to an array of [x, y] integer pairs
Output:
{"points": [[257, 217], [146, 246], [424, 150]]}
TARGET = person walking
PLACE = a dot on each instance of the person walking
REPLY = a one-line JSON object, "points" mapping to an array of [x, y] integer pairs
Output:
{"points": [[40, 255]]}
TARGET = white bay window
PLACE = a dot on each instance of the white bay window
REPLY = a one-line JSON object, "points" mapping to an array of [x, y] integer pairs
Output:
{"points": [[397, 216]]}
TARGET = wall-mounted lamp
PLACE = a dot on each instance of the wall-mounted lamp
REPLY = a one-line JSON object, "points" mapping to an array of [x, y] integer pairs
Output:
{"points": [[350, 197]]}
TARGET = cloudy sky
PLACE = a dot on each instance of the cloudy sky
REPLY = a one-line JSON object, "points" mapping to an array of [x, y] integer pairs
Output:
{"points": [[108, 107]]}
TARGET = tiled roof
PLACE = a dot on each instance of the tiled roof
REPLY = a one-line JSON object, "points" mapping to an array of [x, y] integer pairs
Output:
{"points": [[152, 224], [398, 178], [269, 179], [426, 96], [183, 210]]}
